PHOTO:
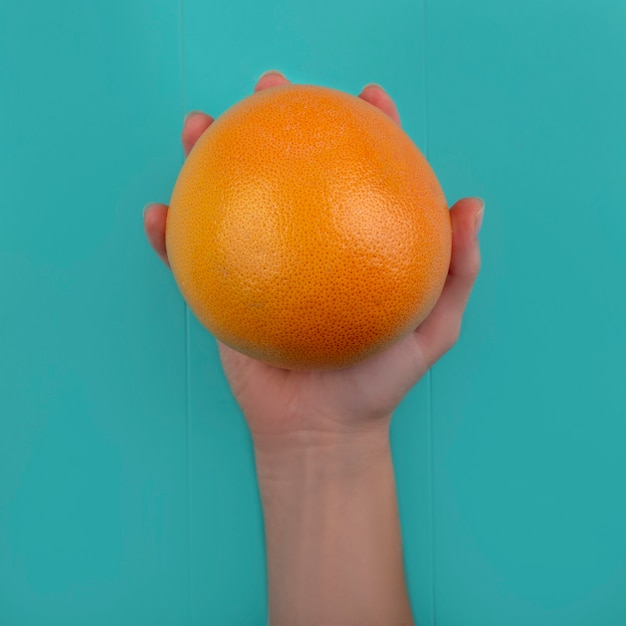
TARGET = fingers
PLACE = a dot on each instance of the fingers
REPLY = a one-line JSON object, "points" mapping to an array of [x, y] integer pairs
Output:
{"points": [[376, 95], [271, 78], [196, 122], [155, 215], [154, 218], [194, 125], [441, 329]]}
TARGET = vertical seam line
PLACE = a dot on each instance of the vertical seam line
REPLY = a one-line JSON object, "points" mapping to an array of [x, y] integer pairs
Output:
{"points": [[430, 373], [187, 352]]}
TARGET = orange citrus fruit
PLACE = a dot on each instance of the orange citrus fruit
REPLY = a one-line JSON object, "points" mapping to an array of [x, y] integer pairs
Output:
{"points": [[307, 230]]}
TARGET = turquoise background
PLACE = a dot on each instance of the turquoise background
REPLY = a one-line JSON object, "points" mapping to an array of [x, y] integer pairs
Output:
{"points": [[127, 486]]}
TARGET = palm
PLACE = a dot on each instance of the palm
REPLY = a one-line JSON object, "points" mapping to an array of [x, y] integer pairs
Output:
{"points": [[361, 394], [276, 401]]}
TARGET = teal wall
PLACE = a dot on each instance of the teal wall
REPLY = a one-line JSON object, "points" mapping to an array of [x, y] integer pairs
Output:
{"points": [[127, 486]]}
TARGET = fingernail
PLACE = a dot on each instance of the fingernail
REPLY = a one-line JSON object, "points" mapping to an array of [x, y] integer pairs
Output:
{"points": [[189, 115], [478, 220], [146, 208], [269, 72], [373, 85]]}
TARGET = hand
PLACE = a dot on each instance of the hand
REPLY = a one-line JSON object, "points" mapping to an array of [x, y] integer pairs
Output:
{"points": [[301, 406]]}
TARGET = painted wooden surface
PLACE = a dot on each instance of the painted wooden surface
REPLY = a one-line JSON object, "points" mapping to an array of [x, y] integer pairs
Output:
{"points": [[127, 486]]}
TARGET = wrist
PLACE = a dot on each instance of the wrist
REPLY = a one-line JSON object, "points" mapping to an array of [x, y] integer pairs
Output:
{"points": [[320, 457]]}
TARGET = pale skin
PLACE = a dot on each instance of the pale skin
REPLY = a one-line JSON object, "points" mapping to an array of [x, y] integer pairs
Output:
{"points": [[321, 443]]}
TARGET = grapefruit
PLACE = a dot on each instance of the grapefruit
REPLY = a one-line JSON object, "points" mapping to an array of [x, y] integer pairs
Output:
{"points": [[307, 230]]}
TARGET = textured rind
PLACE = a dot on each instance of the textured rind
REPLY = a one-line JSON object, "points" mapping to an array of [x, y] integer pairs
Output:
{"points": [[307, 230]]}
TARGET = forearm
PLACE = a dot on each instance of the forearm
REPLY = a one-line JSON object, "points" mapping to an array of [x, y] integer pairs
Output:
{"points": [[334, 548]]}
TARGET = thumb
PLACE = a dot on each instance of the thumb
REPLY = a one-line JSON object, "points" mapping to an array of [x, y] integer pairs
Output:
{"points": [[441, 329]]}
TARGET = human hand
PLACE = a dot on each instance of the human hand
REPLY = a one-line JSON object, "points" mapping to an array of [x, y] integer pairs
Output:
{"points": [[283, 406]]}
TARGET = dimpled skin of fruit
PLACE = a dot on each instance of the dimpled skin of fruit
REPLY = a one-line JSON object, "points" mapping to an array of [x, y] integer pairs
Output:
{"points": [[307, 230]]}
